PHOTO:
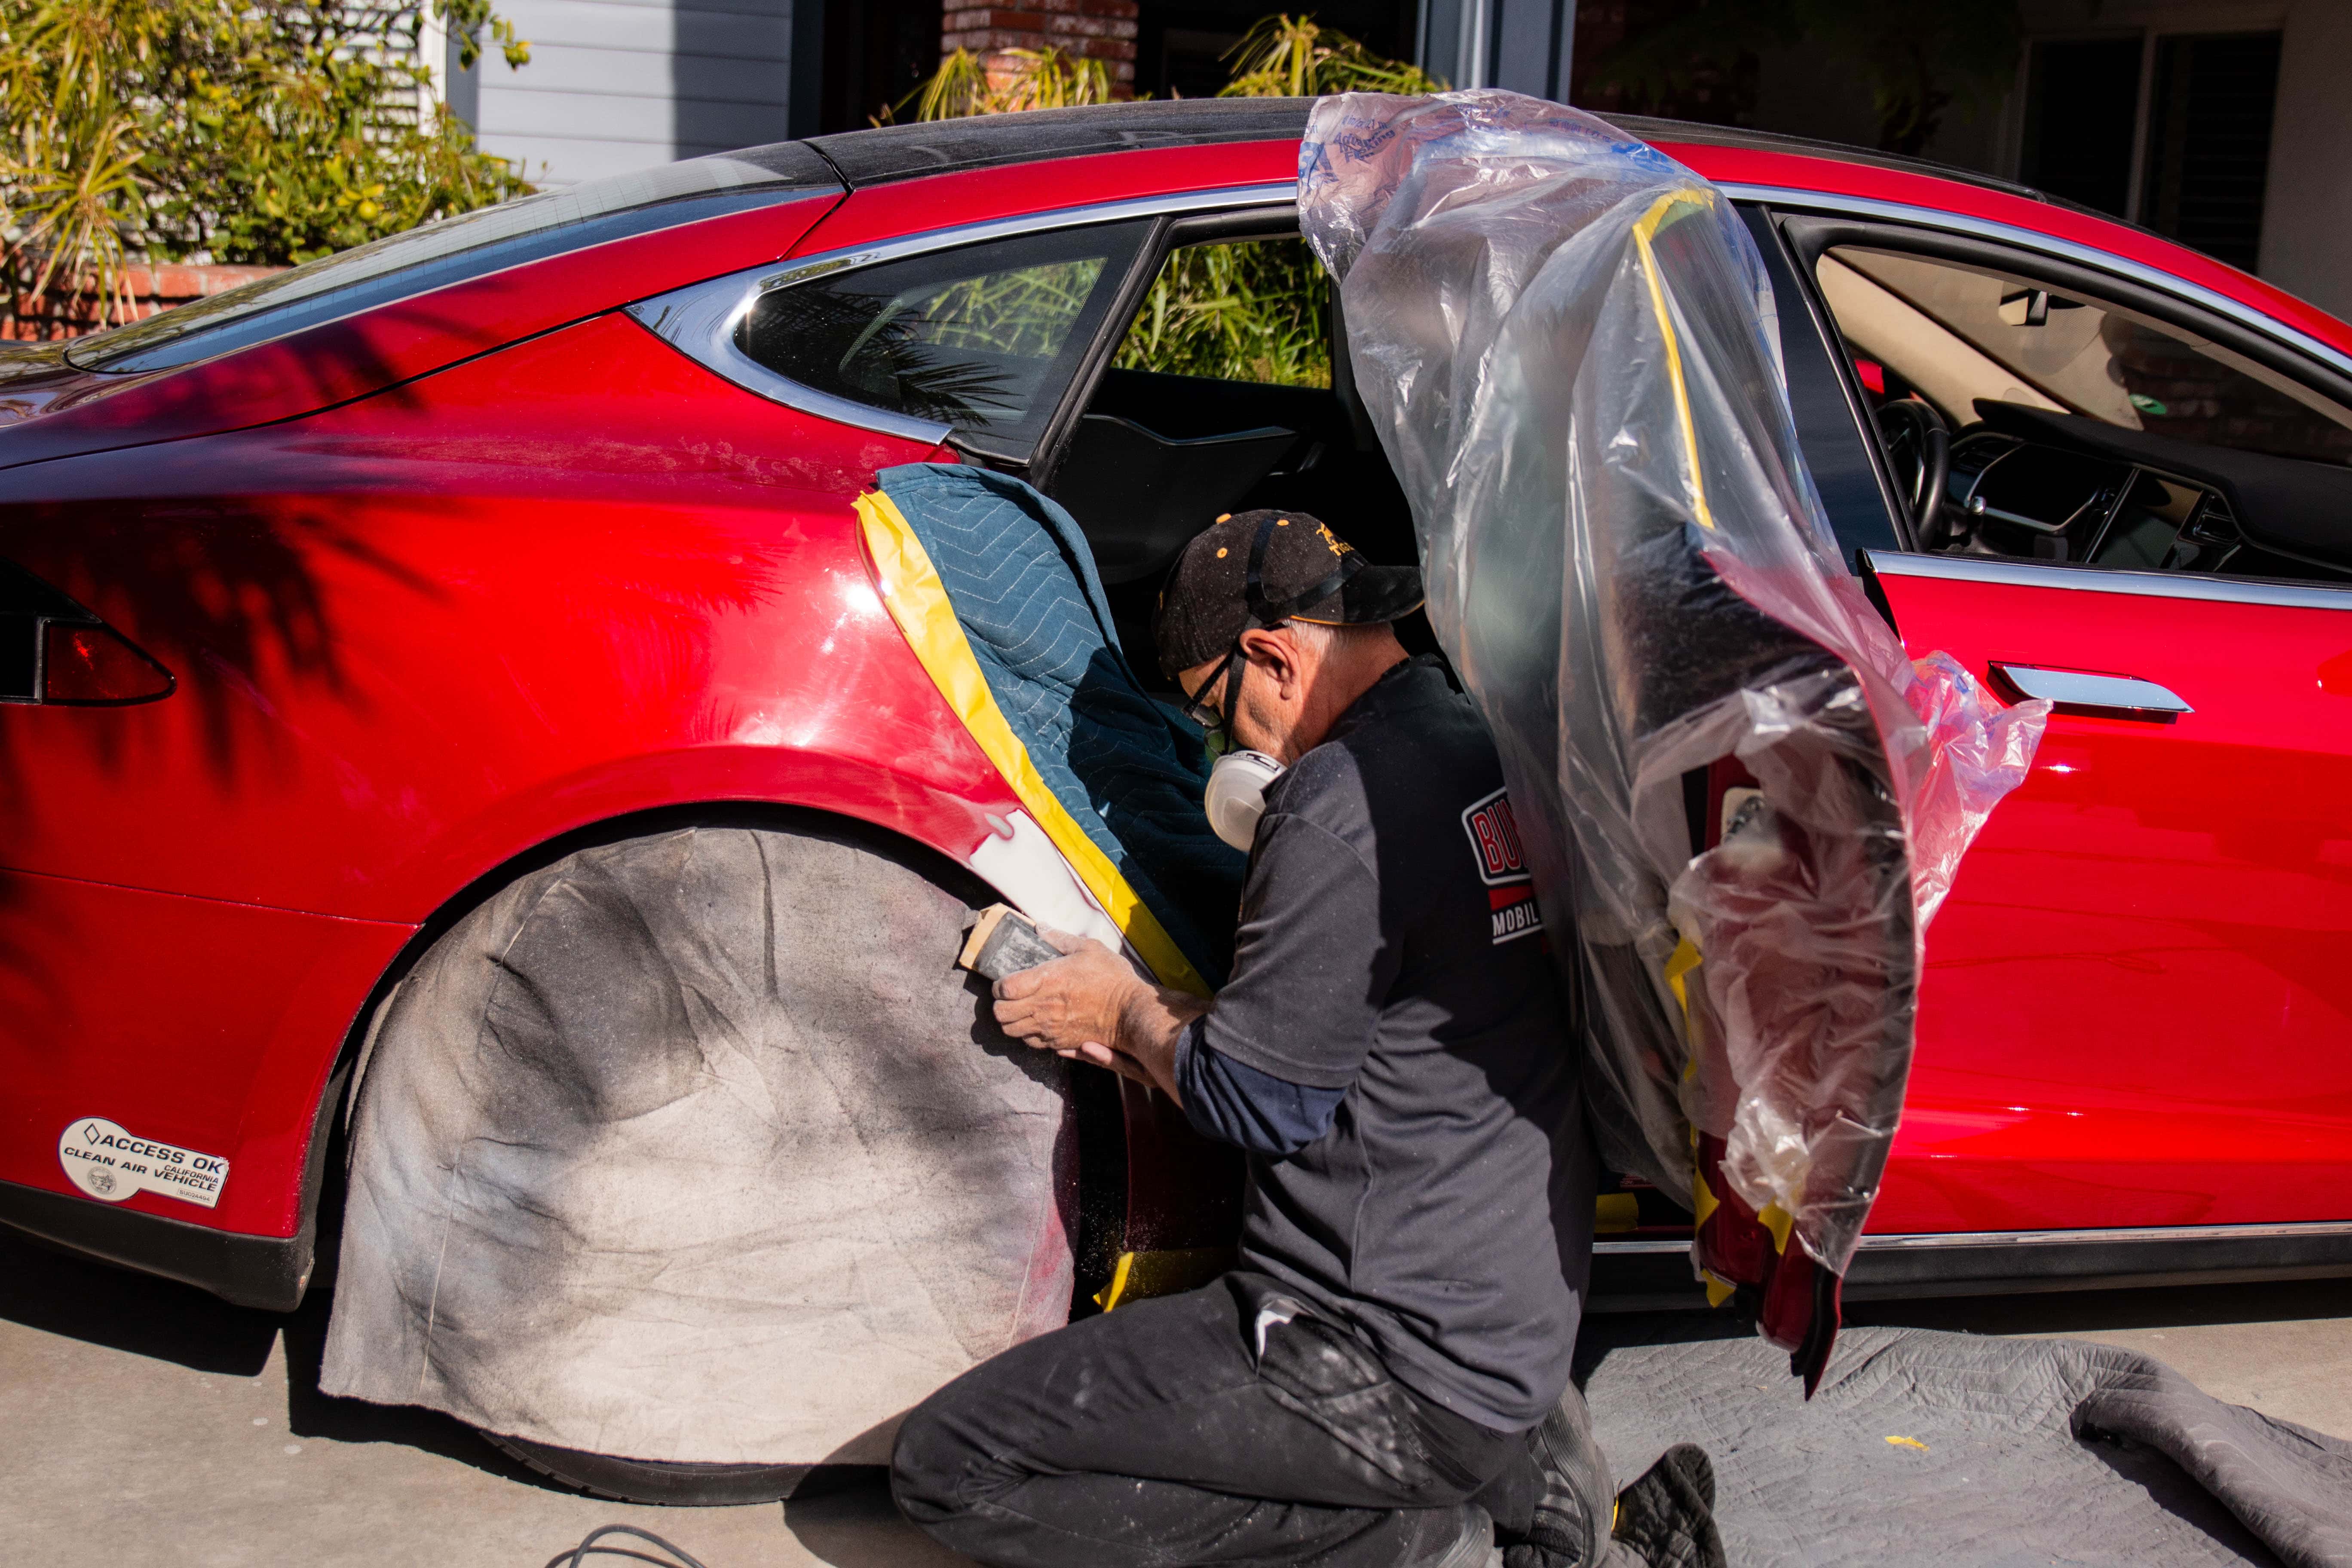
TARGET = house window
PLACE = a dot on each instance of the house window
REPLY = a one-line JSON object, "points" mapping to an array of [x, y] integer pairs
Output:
{"points": [[2209, 143], [2082, 113], [2173, 132]]}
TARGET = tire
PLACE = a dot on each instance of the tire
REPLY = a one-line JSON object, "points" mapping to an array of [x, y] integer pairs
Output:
{"points": [[697, 1147], [675, 1485]]}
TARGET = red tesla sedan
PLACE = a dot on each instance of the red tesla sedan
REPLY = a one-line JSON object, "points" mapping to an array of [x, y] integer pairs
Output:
{"points": [[333, 606]]}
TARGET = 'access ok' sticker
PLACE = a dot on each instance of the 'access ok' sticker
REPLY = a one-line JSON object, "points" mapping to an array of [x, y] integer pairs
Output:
{"points": [[110, 1165]]}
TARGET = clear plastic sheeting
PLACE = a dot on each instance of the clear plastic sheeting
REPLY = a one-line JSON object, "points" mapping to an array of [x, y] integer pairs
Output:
{"points": [[1566, 343]]}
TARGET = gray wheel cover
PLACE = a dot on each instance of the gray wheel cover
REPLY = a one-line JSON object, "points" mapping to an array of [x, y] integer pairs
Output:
{"points": [[697, 1147]]}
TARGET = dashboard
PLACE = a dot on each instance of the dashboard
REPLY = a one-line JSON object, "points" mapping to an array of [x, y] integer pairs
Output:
{"points": [[2026, 483]]}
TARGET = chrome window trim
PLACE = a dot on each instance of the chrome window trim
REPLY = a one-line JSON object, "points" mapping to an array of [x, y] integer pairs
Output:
{"points": [[2109, 580], [145, 362], [1929, 1240], [699, 320], [2221, 304]]}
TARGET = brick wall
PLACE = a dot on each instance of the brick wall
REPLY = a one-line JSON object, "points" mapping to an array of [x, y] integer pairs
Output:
{"points": [[1096, 29], [152, 289]]}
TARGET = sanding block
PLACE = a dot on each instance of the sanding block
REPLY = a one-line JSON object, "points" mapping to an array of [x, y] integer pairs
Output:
{"points": [[1002, 941]]}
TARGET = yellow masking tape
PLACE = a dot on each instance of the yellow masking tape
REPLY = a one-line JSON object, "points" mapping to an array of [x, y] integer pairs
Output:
{"points": [[1139, 1276], [1718, 1292], [919, 601], [1662, 211], [1679, 964]]}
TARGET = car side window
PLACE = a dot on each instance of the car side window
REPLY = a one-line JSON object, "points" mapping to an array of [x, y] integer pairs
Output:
{"points": [[2023, 421], [1220, 397], [1256, 311], [984, 338], [1956, 333]]}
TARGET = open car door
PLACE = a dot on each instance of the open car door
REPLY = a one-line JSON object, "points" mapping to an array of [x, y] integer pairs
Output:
{"points": [[1565, 341]]}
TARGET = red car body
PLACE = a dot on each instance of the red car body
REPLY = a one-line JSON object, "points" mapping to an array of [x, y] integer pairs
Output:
{"points": [[447, 582]]}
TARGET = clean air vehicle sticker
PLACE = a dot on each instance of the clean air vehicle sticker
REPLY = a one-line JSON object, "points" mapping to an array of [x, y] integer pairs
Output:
{"points": [[1503, 866], [110, 1165]]}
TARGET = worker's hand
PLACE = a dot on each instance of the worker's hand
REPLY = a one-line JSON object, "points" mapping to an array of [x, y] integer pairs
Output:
{"points": [[1091, 1008], [1072, 1002]]}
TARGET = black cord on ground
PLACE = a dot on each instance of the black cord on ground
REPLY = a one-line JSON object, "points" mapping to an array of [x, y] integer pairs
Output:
{"points": [[576, 1556], [571, 1554]]}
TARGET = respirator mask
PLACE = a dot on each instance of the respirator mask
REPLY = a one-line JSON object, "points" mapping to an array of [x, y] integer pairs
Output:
{"points": [[1301, 580], [1236, 795]]}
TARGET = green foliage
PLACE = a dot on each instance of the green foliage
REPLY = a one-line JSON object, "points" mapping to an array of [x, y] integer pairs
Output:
{"points": [[267, 134], [1026, 311], [1256, 311], [1262, 311], [1920, 57], [1287, 57], [1010, 82]]}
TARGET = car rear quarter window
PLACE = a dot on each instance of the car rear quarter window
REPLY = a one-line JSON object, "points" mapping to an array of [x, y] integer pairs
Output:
{"points": [[470, 245], [984, 338]]}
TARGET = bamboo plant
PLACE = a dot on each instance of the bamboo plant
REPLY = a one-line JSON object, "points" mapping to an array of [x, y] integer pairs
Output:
{"points": [[1256, 311]]}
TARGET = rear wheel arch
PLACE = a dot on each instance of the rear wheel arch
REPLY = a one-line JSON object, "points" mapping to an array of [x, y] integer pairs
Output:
{"points": [[643, 996], [321, 1190]]}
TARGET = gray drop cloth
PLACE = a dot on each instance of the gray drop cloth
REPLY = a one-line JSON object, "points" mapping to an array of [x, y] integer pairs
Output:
{"points": [[2037, 1452], [697, 1147]]}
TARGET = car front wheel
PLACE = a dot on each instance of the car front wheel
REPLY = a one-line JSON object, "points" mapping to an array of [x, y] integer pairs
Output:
{"points": [[688, 1162]]}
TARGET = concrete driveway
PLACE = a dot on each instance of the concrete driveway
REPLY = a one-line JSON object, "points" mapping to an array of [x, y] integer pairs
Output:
{"points": [[144, 1417]]}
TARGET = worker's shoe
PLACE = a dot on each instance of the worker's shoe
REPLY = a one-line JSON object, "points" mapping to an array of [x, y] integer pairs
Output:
{"points": [[1571, 1515], [1667, 1518]]}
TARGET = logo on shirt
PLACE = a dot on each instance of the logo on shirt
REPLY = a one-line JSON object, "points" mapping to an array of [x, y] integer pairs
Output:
{"points": [[1503, 867]]}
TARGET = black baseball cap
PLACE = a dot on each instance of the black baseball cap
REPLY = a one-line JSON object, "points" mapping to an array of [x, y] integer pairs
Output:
{"points": [[1256, 568]]}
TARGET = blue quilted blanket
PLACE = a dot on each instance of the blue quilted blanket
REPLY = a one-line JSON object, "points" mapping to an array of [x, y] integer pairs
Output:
{"points": [[1127, 770]]}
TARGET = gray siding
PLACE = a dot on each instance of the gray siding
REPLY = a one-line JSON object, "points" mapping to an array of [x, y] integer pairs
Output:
{"points": [[617, 85], [1523, 44]]}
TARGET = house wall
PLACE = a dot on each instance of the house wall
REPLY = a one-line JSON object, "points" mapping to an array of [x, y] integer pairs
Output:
{"points": [[619, 85], [2307, 229], [2306, 237], [1101, 31], [1526, 46]]}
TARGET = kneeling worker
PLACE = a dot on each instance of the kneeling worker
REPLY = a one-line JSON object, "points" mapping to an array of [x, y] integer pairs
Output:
{"points": [[1383, 1381]]}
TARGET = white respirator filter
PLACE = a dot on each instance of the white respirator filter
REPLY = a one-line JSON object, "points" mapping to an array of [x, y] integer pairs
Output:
{"points": [[1236, 795]]}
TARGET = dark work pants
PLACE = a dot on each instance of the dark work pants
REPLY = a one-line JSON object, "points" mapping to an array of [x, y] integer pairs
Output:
{"points": [[1157, 1435]]}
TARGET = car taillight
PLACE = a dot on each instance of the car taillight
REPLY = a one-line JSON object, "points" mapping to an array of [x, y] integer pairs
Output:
{"points": [[53, 650]]}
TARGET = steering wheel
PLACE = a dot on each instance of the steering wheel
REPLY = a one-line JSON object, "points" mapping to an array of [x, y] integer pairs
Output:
{"points": [[1919, 447]]}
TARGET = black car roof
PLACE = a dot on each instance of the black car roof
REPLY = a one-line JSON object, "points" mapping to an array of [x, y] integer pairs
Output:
{"points": [[1699, 135], [991, 141], [891, 152]]}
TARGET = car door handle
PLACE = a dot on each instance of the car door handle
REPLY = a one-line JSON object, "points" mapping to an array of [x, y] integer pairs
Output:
{"points": [[2104, 696]]}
